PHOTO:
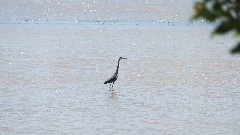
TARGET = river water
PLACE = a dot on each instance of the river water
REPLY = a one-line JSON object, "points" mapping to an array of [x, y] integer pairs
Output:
{"points": [[177, 78]]}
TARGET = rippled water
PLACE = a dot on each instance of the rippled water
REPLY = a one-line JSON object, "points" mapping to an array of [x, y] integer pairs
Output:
{"points": [[176, 80], [92, 10]]}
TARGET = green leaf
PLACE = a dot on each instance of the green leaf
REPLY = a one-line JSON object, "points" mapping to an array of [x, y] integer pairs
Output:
{"points": [[236, 49], [198, 7], [223, 28], [202, 11], [217, 7]]}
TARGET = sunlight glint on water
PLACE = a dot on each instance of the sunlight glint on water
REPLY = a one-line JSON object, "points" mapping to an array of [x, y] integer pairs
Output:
{"points": [[56, 55]]}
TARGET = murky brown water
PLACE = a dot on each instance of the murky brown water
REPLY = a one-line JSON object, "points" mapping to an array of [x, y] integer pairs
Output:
{"points": [[176, 80]]}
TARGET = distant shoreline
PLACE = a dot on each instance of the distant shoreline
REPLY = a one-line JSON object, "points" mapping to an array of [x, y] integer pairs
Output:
{"points": [[98, 22]]}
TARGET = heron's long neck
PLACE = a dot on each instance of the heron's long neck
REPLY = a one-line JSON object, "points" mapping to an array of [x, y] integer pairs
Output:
{"points": [[117, 67]]}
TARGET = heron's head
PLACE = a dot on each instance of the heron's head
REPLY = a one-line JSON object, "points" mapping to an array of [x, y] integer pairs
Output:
{"points": [[122, 58]]}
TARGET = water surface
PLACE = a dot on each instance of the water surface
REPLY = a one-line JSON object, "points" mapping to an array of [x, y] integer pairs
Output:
{"points": [[176, 80]]}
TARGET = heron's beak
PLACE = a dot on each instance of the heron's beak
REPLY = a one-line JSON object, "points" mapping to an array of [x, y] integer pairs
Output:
{"points": [[124, 58]]}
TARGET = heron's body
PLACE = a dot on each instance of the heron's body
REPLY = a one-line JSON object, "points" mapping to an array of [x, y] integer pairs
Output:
{"points": [[115, 76], [112, 79]]}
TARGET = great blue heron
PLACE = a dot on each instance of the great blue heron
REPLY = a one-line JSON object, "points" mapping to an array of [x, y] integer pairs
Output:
{"points": [[115, 76]]}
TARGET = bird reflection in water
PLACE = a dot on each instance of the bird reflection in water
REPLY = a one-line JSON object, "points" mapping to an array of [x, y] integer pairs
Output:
{"points": [[113, 94]]}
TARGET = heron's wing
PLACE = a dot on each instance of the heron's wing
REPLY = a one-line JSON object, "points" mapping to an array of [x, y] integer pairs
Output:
{"points": [[109, 81], [112, 79]]}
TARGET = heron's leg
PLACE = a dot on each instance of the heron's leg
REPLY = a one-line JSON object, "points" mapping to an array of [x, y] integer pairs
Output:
{"points": [[112, 86]]}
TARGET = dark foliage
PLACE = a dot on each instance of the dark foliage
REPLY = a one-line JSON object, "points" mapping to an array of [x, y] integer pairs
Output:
{"points": [[226, 12]]}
